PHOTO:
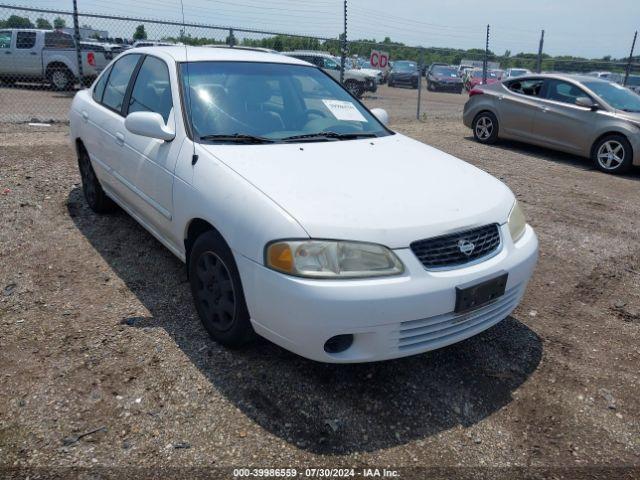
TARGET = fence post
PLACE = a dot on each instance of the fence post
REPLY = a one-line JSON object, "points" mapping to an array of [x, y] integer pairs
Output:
{"points": [[485, 61], [76, 34], [420, 67], [343, 44], [232, 40], [633, 46], [539, 62]]}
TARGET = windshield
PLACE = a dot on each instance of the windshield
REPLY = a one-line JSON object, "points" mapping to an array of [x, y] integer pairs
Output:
{"points": [[445, 71], [270, 100], [490, 74], [616, 95], [404, 66], [517, 73]]}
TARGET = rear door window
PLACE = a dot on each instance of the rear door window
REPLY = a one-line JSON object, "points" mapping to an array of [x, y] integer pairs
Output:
{"points": [[26, 40], [530, 87], [58, 40], [118, 81], [152, 89], [98, 90]]}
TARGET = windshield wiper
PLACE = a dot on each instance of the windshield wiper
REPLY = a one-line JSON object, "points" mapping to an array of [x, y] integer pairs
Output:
{"points": [[236, 138], [328, 136]]}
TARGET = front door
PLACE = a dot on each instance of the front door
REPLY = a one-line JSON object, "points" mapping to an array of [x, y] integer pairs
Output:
{"points": [[561, 123], [149, 163], [27, 55]]}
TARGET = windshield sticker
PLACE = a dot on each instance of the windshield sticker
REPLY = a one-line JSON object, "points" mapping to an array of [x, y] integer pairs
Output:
{"points": [[344, 110]]}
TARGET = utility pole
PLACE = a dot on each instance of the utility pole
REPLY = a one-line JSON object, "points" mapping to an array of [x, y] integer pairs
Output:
{"points": [[485, 61], [420, 68], [76, 34], [343, 44], [633, 46], [539, 62]]}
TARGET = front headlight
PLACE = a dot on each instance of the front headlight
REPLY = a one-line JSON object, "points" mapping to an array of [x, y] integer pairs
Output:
{"points": [[517, 222], [331, 259]]}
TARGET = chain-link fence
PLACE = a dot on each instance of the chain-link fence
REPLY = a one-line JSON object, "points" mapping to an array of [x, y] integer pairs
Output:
{"points": [[42, 64]]}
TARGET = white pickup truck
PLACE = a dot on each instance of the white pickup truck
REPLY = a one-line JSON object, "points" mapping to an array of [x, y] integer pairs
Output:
{"points": [[28, 55]]}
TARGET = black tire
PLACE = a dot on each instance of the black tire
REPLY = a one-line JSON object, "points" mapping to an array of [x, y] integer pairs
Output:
{"points": [[97, 200], [217, 291], [612, 154], [60, 77], [430, 87], [355, 88], [390, 84], [485, 128]]}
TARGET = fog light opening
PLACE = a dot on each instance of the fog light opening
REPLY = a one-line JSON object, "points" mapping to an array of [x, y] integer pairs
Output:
{"points": [[338, 344]]}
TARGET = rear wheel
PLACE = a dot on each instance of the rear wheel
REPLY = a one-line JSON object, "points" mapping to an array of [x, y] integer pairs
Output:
{"points": [[60, 78], [485, 128], [613, 154], [217, 291], [97, 200]]}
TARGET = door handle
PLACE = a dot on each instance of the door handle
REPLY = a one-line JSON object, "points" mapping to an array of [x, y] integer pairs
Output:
{"points": [[33, 53], [120, 138], [7, 53], [544, 109], [500, 97]]}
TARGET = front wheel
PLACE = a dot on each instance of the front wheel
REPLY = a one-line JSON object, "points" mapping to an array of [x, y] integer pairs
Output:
{"points": [[355, 89], [217, 291], [613, 154], [485, 128]]}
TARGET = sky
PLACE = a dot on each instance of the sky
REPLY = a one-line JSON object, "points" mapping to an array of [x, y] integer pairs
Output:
{"points": [[589, 28]]}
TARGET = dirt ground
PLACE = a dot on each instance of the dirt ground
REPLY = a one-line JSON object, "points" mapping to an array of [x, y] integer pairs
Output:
{"points": [[105, 364]]}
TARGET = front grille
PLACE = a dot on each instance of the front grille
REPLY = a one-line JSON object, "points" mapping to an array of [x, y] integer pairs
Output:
{"points": [[445, 251]]}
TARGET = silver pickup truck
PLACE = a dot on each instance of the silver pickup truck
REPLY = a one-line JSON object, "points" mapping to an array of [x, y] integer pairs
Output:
{"points": [[28, 55]]}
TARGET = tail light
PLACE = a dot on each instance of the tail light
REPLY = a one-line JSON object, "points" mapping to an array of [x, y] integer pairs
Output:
{"points": [[91, 59], [476, 91]]}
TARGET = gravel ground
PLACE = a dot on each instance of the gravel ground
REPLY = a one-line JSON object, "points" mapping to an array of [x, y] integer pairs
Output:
{"points": [[105, 364]]}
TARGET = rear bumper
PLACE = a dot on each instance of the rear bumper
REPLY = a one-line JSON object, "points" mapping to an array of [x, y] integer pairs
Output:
{"points": [[389, 317]]}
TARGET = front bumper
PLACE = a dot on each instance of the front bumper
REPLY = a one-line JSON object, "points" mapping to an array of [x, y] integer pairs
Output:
{"points": [[447, 85], [390, 317]]}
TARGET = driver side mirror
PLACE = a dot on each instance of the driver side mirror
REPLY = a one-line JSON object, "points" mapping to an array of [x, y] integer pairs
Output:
{"points": [[149, 124], [586, 102], [381, 114]]}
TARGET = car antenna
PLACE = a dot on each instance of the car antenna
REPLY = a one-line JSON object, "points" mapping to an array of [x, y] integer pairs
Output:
{"points": [[194, 156]]}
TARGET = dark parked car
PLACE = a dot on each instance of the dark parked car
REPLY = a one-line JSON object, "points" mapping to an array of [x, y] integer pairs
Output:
{"points": [[444, 78], [404, 72]]}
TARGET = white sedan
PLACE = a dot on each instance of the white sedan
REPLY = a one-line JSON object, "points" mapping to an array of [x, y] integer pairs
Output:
{"points": [[300, 215]]}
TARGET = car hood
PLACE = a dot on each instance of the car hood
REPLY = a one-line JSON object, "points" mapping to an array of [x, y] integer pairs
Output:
{"points": [[390, 190]]}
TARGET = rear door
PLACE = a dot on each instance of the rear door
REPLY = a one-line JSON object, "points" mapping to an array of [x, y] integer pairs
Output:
{"points": [[27, 58], [6, 53], [561, 123], [148, 163], [106, 122], [517, 105]]}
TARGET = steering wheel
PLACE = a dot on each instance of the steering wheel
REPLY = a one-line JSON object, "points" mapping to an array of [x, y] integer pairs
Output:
{"points": [[315, 111]]}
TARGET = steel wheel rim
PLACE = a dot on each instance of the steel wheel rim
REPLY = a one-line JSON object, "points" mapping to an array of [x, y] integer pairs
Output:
{"points": [[214, 291], [88, 180], [611, 154], [59, 79], [484, 128]]}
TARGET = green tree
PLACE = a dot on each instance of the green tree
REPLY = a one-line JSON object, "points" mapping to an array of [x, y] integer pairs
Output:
{"points": [[14, 21], [59, 23], [43, 23], [140, 33]]}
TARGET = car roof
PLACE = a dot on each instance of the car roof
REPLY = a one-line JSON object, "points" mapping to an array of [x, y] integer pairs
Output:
{"points": [[565, 76], [182, 53]]}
